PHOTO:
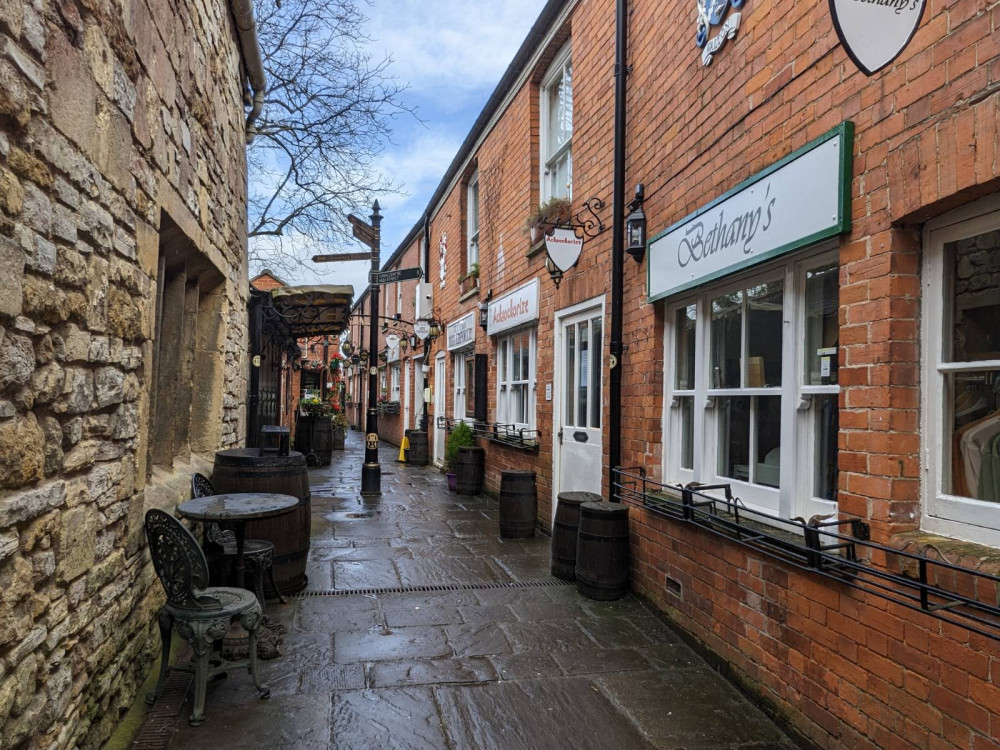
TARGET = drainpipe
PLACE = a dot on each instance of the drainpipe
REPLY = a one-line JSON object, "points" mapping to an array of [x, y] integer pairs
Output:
{"points": [[246, 28], [425, 366], [617, 248]]}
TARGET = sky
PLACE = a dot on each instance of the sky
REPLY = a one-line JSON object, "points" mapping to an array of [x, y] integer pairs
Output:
{"points": [[452, 54]]}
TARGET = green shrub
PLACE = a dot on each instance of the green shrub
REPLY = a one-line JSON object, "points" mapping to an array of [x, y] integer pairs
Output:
{"points": [[460, 437]]}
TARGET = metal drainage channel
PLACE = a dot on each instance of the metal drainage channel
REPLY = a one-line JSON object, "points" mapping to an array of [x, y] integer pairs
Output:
{"points": [[442, 587], [160, 721]]}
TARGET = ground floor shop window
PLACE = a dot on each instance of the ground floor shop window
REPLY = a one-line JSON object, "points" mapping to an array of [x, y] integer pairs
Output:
{"points": [[751, 386], [961, 398], [516, 379], [394, 382], [464, 364]]}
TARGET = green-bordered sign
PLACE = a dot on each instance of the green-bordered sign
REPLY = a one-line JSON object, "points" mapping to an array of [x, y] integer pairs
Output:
{"points": [[795, 202]]}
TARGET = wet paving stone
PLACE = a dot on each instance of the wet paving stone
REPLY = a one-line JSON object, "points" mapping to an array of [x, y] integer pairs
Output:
{"points": [[397, 643], [331, 614], [396, 719], [487, 613], [432, 672], [447, 570], [332, 677], [547, 610], [561, 635], [538, 714], [613, 632], [425, 613], [366, 574], [599, 662], [477, 639], [531, 665]]}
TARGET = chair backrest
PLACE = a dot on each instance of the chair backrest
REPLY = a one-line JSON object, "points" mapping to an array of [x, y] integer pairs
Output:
{"points": [[201, 486], [178, 561]]}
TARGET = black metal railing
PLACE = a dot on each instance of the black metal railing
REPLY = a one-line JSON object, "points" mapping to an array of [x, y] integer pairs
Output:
{"points": [[836, 547], [506, 434]]}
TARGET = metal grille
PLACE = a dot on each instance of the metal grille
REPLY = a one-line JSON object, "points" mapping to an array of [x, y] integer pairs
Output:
{"points": [[442, 587], [161, 719]]}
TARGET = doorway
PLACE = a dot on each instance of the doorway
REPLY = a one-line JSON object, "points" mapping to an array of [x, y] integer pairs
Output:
{"points": [[440, 396]]}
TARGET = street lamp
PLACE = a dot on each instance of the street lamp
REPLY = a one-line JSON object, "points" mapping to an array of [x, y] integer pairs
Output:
{"points": [[484, 310], [635, 226]]}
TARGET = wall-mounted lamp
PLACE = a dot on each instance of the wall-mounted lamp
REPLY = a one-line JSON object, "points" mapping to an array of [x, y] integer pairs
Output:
{"points": [[404, 344], [635, 226], [364, 356], [484, 310]]}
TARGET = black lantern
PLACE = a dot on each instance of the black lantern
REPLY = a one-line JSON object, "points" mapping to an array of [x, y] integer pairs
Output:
{"points": [[635, 227], [484, 311]]}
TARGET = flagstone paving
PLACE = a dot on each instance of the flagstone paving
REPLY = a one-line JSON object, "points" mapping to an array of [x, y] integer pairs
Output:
{"points": [[477, 667]]}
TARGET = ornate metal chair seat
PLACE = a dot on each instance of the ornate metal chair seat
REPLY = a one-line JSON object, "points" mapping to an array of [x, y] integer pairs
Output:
{"points": [[257, 553], [202, 614]]}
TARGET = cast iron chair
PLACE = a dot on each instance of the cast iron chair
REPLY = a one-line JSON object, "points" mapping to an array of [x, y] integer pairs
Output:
{"points": [[258, 553], [203, 615]]}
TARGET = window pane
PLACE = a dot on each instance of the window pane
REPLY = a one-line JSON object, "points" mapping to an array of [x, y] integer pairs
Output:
{"points": [[684, 367], [764, 326], [560, 96], [596, 356], [976, 316], [827, 419], [768, 428], [734, 437], [570, 374], [516, 357], [687, 432], [727, 332], [470, 385], [975, 435], [822, 328], [584, 371]]}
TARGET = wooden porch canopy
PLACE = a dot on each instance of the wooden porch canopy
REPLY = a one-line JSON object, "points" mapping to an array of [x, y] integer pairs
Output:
{"points": [[305, 311]]}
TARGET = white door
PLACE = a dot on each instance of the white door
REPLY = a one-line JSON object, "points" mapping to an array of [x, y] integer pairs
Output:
{"points": [[406, 397], [578, 412], [440, 393], [418, 392]]}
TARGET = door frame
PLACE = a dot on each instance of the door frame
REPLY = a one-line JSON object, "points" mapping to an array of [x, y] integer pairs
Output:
{"points": [[440, 392], [405, 366], [557, 377]]}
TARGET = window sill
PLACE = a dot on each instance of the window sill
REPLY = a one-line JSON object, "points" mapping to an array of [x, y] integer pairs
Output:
{"points": [[474, 292], [535, 249], [970, 555], [526, 447]]}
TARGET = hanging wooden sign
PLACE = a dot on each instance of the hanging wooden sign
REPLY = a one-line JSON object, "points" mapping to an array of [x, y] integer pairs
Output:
{"points": [[875, 32]]}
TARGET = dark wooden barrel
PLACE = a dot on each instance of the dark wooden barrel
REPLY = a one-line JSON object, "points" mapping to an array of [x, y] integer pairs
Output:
{"points": [[564, 530], [244, 470], [470, 466], [418, 448], [337, 438], [518, 504], [602, 551], [322, 441]]}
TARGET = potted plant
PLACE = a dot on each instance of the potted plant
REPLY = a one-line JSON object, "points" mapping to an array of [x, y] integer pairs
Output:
{"points": [[552, 213], [470, 280], [340, 426], [460, 437]]}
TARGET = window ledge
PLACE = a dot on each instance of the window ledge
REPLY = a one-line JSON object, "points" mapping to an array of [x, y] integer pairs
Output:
{"points": [[970, 555], [535, 249], [527, 447], [474, 292]]}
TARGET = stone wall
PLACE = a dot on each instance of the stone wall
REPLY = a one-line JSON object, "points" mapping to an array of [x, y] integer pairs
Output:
{"points": [[115, 115]]}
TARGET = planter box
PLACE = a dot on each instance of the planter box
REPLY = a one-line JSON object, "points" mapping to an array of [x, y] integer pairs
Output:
{"points": [[390, 407], [467, 284]]}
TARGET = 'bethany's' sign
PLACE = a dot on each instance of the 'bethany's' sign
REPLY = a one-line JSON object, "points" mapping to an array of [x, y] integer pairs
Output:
{"points": [[462, 332], [513, 309], [799, 200], [875, 32]]}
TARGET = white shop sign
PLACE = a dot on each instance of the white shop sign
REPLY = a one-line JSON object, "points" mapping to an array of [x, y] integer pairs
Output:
{"points": [[801, 199], [462, 332], [875, 32], [392, 354], [514, 309]]}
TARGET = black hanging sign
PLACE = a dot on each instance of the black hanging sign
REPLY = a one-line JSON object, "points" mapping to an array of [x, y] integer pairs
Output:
{"points": [[875, 32]]}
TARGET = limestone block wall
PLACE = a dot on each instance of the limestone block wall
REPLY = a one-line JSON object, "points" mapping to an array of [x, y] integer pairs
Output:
{"points": [[117, 117]]}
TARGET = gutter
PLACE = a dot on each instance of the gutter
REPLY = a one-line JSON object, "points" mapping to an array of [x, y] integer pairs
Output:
{"points": [[246, 28]]}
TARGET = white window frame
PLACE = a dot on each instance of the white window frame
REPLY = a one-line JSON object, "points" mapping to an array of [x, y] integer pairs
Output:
{"points": [[965, 518], [459, 363], [555, 74], [394, 392], [472, 222], [505, 380], [795, 495]]}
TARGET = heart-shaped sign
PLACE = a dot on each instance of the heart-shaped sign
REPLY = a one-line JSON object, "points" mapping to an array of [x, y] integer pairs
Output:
{"points": [[564, 247], [392, 340], [875, 32]]}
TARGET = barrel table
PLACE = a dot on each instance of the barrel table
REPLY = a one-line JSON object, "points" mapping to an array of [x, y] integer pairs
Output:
{"points": [[245, 470], [518, 504], [470, 466], [602, 551], [564, 531], [418, 448]]}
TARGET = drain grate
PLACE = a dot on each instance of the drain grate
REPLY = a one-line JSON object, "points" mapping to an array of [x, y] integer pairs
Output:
{"points": [[160, 722], [442, 587]]}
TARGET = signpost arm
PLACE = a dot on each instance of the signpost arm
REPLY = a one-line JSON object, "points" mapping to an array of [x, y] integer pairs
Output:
{"points": [[371, 471]]}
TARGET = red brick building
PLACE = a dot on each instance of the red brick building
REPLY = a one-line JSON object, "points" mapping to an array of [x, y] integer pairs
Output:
{"points": [[815, 323]]}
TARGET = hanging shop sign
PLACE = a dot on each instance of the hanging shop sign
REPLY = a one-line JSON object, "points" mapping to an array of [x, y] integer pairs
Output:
{"points": [[711, 13], [392, 340], [462, 332], [564, 248], [875, 32], [800, 200], [422, 329], [392, 354], [514, 309]]}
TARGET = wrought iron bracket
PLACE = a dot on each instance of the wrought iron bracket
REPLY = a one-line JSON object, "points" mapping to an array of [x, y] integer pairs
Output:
{"points": [[587, 219]]}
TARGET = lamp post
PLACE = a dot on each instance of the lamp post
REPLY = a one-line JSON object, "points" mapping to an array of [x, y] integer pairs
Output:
{"points": [[371, 470]]}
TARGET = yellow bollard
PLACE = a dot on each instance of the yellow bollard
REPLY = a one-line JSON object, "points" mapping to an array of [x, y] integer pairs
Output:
{"points": [[404, 447]]}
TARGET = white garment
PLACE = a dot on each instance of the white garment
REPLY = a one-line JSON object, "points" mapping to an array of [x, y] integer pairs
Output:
{"points": [[975, 438]]}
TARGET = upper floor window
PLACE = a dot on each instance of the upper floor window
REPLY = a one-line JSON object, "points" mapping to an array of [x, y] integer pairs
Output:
{"points": [[961, 395], [472, 228], [557, 128]]}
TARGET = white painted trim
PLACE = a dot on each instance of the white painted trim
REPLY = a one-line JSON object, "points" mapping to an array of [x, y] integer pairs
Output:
{"points": [[552, 74]]}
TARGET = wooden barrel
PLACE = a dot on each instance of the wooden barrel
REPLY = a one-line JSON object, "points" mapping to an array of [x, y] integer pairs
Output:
{"points": [[564, 530], [470, 466], [244, 470], [418, 448], [602, 551], [518, 504], [322, 441]]}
